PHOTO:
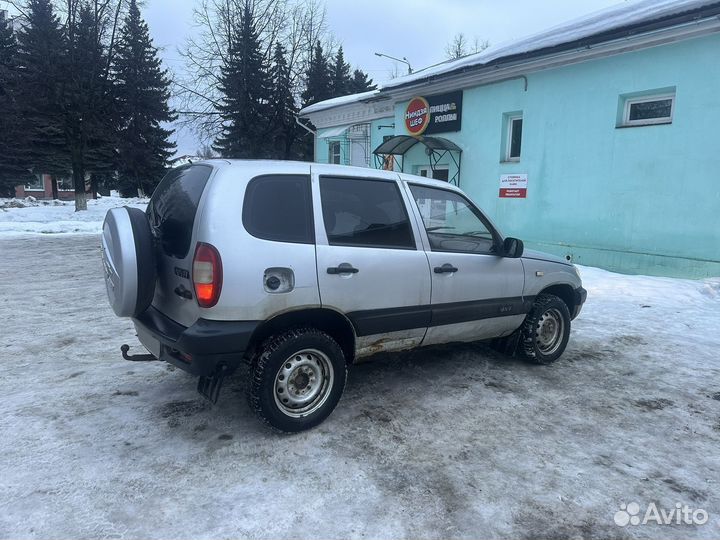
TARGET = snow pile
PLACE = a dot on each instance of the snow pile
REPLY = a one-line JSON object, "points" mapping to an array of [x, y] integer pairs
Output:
{"points": [[30, 216], [622, 15]]}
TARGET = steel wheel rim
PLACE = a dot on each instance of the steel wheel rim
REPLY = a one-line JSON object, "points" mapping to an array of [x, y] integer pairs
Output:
{"points": [[551, 328], [303, 383]]}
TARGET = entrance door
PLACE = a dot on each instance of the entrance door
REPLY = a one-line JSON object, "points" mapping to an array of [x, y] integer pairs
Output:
{"points": [[476, 294], [370, 263]]}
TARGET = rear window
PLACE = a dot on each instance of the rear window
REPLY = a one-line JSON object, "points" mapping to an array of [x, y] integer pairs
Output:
{"points": [[173, 207], [279, 208]]}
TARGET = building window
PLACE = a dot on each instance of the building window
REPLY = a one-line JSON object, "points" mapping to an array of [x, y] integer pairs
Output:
{"points": [[513, 141], [65, 183], [334, 152], [36, 184], [648, 110]]}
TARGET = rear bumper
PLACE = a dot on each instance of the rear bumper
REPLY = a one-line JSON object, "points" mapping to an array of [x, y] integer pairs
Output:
{"points": [[580, 297], [197, 349]]}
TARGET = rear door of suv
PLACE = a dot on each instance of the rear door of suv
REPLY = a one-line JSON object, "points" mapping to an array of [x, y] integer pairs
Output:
{"points": [[172, 213], [370, 262]]}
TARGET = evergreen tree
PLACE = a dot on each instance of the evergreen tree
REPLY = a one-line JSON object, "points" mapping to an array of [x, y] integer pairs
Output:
{"points": [[340, 80], [283, 128], [317, 80], [14, 164], [88, 102], [41, 56], [244, 86], [360, 82], [142, 92]]}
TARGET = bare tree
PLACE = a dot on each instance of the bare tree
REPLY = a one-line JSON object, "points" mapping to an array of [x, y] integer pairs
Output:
{"points": [[459, 46], [296, 24]]}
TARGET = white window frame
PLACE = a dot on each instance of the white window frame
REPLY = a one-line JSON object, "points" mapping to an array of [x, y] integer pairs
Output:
{"points": [[648, 121], [508, 141], [41, 177], [331, 153], [72, 187]]}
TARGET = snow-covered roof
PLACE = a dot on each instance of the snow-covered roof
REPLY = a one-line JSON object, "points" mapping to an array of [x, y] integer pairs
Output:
{"points": [[628, 13]]}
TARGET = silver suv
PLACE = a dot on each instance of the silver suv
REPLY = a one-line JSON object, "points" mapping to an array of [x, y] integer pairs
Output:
{"points": [[300, 269]]}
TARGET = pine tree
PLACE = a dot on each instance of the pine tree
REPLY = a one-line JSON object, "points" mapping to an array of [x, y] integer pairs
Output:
{"points": [[14, 164], [283, 128], [87, 102], [244, 86], [317, 80], [41, 56], [142, 92], [340, 75], [360, 82]]}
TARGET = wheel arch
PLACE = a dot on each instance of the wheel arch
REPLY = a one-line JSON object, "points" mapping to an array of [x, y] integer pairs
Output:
{"points": [[332, 322], [564, 291]]}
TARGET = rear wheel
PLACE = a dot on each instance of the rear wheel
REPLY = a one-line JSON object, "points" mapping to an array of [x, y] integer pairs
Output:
{"points": [[546, 330], [297, 379]]}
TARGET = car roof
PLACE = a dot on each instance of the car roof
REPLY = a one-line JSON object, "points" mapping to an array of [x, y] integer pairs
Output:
{"points": [[270, 166]]}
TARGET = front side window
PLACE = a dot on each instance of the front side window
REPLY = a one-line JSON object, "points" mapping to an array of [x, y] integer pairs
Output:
{"points": [[279, 208], [452, 222], [334, 152], [365, 213]]}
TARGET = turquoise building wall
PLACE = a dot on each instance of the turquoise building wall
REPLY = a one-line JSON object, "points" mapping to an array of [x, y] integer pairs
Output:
{"points": [[637, 200]]}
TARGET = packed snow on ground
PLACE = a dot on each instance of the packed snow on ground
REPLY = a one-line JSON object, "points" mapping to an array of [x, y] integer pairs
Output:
{"points": [[447, 442], [29, 215]]}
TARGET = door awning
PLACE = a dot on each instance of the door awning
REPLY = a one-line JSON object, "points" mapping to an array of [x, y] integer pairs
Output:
{"points": [[436, 148], [400, 144]]}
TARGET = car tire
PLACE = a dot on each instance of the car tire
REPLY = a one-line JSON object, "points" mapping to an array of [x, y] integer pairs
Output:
{"points": [[297, 379], [129, 261], [546, 330]]}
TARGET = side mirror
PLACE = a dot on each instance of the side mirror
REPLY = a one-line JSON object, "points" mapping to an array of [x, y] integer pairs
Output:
{"points": [[512, 248]]}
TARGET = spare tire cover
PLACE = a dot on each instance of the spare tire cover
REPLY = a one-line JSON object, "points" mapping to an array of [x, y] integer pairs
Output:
{"points": [[128, 261]]}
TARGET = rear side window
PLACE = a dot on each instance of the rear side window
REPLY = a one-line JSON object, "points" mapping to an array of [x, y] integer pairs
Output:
{"points": [[279, 208], [173, 207], [365, 213]]}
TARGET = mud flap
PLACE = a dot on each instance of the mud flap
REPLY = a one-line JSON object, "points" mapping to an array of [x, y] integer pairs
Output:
{"points": [[209, 386], [507, 345]]}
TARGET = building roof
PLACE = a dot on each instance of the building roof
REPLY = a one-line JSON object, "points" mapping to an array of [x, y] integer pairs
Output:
{"points": [[603, 25]]}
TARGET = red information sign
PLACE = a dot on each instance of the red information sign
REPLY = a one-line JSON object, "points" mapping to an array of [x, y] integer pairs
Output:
{"points": [[513, 186], [417, 116]]}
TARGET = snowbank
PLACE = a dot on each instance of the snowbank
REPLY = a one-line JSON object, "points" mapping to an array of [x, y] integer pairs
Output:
{"points": [[31, 216]]}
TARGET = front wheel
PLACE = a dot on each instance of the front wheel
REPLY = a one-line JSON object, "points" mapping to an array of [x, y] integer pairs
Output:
{"points": [[297, 379], [546, 330]]}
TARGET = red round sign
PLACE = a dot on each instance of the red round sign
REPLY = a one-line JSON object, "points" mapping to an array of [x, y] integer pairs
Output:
{"points": [[417, 116]]}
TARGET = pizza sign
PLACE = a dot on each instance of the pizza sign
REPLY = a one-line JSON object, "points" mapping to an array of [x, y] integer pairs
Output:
{"points": [[417, 116]]}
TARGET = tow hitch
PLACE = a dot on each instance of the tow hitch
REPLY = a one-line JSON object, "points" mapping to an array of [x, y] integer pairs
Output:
{"points": [[136, 357], [209, 386]]}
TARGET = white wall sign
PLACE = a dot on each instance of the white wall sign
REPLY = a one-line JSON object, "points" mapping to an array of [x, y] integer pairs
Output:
{"points": [[513, 186]]}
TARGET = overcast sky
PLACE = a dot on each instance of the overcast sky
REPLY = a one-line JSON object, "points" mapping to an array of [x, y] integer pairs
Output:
{"points": [[416, 29]]}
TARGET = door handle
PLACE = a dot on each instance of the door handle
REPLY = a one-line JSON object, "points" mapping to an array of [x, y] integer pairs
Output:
{"points": [[342, 269], [445, 269]]}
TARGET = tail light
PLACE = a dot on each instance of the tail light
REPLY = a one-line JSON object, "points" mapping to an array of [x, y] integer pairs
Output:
{"points": [[207, 275]]}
